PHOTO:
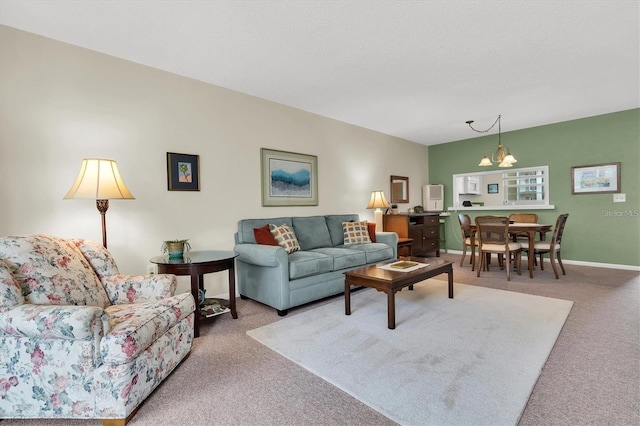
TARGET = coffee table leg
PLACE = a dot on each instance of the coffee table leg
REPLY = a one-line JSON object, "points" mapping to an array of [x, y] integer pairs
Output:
{"points": [[450, 273], [347, 298], [391, 308]]}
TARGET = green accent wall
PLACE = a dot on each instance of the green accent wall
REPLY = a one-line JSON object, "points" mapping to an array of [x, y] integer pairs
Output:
{"points": [[598, 230]]}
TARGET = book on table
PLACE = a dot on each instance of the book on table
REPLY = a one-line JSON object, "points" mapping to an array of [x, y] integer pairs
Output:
{"points": [[212, 306], [404, 264]]}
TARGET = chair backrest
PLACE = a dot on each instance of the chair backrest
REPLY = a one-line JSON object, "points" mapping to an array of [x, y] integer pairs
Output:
{"points": [[465, 225], [524, 217], [493, 230], [559, 229]]}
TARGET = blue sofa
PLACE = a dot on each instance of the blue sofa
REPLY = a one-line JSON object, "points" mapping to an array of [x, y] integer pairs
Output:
{"points": [[269, 275]]}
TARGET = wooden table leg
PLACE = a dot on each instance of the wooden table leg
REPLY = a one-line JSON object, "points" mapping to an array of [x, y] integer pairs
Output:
{"points": [[232, 290], [450, 274], [530, 254], [391, 309], [347, 298], [195, 286]]}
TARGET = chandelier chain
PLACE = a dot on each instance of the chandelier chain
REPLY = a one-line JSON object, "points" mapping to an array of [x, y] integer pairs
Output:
{"points": [[485, 131]]}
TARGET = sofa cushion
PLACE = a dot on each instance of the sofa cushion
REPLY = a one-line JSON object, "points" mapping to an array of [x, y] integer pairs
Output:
{"points": [[305, 263], [10, 290], [285, 237], [135, 326], [374, 252], [245, 227], [100, 259], [263, 236], [312, 232], [334, 223], [343, 257], [52, 271], [355, 233]]}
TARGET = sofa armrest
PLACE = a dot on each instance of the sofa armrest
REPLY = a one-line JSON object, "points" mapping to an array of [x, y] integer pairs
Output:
{"points": [[124, 289], [389, 238], [261, 255], [68, 322]]}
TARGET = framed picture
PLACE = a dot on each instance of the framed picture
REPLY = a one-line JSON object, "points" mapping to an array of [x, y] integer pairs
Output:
{"points": [[288, 178], [183, 172], [595, 178], [492, 188]]}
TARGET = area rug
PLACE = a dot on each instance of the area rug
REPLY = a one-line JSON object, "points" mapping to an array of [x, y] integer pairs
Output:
{"points": [[471, 360]]}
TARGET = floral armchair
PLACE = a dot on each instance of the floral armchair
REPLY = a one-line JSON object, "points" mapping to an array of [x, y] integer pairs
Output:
{"points": [[80, 340]]}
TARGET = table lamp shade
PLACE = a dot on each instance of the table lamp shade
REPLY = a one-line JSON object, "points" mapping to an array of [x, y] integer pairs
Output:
{"points": [[378, 200], [99, 179]]}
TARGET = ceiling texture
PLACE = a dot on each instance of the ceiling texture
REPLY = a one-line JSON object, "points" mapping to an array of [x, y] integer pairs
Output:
{"points": [[412, 69]]}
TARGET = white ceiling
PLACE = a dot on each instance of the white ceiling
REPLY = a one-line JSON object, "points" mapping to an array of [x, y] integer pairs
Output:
{"points": [[413, 69]]}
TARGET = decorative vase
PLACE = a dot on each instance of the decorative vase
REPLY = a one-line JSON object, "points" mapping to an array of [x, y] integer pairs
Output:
{"points": [[394, 211]]}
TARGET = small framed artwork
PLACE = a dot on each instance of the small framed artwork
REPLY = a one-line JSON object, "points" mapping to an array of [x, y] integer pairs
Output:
{"points": [[595, 178], [288, 178], [183, 172], [492, 188]]}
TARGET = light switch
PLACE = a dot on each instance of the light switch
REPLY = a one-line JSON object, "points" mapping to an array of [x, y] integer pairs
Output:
{"points": [[619, 198]]}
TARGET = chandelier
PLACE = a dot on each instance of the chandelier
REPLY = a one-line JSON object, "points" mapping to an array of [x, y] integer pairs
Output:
{"points": [[502, 155]]}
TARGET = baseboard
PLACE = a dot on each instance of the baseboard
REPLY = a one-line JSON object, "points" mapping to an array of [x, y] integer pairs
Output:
{"points": [[583, 263]]}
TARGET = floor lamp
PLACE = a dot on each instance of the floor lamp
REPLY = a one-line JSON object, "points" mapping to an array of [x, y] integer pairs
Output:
{"points": [[378, 201], [99, 180]]}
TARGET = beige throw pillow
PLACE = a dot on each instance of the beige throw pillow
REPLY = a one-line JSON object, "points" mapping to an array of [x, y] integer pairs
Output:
{"points": [[356, 232], [285, 237]]}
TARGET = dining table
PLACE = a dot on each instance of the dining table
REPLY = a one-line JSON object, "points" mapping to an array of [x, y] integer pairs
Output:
{"points": [[531, 229]]}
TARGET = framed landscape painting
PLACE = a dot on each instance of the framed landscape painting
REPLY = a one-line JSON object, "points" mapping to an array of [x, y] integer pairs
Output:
{"points": [[183, 172], [595, 178], [288, 178]]}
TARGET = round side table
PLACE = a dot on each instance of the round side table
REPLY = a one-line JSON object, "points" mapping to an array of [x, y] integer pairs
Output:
{"points": [[196, 264]]}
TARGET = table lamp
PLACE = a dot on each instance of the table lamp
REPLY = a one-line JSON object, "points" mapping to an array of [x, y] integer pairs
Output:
{"points": [[100, 180], [378, 201]]}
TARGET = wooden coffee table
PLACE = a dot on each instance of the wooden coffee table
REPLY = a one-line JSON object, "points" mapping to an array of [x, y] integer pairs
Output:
{"points": [[391, 282]]}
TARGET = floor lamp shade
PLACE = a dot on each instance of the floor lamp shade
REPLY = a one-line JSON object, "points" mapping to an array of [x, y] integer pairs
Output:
{"points": [[100, 180]]}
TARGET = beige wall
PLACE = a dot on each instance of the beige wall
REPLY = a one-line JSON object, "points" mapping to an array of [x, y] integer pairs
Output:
{"points": [[60, 104]]}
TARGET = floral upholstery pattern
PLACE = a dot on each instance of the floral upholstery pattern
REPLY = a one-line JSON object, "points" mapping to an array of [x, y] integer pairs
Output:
{"points": [[77, 341], [10, 290], [52, 271]]}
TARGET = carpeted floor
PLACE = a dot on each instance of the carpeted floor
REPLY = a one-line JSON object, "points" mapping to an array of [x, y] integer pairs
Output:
{"points": [[462, 361], [592, 375]]}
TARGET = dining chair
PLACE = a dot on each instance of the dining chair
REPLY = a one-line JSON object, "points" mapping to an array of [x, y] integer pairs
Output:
{"points": [[522, 218], [493, 237], [552, 247], [465, 228]]}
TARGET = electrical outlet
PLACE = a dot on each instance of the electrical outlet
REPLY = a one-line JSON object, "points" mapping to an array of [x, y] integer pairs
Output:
{"points": [[619, 198], [152, 269]]}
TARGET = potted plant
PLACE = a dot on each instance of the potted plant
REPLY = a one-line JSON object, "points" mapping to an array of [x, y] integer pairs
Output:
{"points": [[394, 209], [175, 248]]}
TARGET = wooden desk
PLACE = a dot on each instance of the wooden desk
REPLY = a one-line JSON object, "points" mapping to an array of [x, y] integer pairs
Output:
{"points": [[196, 264], [530, 229]]}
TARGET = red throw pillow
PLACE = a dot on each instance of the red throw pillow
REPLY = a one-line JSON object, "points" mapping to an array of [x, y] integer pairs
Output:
{"points": [[372, 231], [263, 236]]}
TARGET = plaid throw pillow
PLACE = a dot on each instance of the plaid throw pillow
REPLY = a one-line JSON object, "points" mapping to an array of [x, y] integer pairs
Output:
{"points": [[285, 237], [356, 232]]}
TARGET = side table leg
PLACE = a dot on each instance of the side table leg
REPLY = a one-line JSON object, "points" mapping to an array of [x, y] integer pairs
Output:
{"points": [[232, 290], [195, 286], [391, 309], [450, 274]]}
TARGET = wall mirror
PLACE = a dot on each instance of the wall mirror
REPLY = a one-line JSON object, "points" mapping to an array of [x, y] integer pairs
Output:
{"points": [[399, 189]]}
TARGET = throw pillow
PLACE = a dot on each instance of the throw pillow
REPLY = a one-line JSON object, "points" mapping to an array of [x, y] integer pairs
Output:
{"points": [[263, 236], [356, 232], [285, 237], [372, 231]]}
